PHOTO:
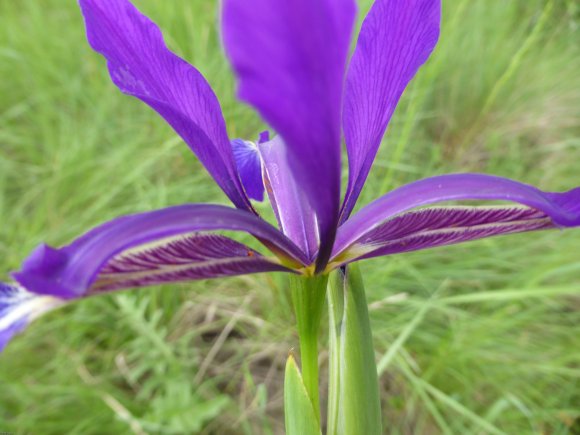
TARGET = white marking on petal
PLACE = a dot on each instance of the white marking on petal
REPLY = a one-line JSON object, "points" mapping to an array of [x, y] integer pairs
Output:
{"points": [[17, 305]]}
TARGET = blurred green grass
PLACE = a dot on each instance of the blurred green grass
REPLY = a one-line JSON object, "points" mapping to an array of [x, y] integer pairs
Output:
{"points": [[482, 338]]}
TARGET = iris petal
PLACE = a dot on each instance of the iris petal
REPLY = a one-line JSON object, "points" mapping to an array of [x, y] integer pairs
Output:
{"points": [[293, 212], [70, 271], [141, 65], [183, 258], [438, 226], [290, 59], [562, 209], [249, 167], [396, 38], [18, 308]]}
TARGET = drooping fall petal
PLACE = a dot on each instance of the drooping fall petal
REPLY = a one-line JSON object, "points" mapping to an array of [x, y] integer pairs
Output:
{"points": [[182, 258], [141, 65], [388, 212], [438, 226], [396, 38], [69, 272], [290, 59]]}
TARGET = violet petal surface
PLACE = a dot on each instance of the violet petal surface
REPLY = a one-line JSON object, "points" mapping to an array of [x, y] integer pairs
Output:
{"points": [[293, 212], [438, 226], [142, 66], [562, 208], [183, 258], [69, 272], [290, 59], [396, 38], [249, 167]]}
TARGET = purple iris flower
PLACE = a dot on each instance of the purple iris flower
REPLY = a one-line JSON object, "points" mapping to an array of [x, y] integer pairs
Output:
{"points": [[293, 66]]}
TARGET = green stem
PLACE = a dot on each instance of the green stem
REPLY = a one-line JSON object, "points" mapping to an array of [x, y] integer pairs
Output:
{"points": [[308, 294]]}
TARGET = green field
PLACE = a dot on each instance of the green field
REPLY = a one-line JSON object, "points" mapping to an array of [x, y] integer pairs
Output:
{"points": [[481, 338]]}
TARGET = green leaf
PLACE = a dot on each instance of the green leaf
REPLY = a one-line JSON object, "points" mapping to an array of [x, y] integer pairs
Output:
{"points": [[353, 403], [300, 416]]}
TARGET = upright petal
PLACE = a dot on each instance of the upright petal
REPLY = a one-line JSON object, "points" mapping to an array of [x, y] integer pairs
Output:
{"points": [[18, 308], [141, 65], [293, 211], [396, 38], [290, 58], [562, 209], [149, 240]]}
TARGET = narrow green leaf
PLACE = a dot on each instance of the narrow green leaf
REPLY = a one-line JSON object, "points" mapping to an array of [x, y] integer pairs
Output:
{"points": [[510, 294], [461, 409], [299, 413], [402, 338], [354, 403]]}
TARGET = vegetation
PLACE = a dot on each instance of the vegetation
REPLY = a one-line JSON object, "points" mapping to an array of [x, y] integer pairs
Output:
{"points": [[481, 338]]}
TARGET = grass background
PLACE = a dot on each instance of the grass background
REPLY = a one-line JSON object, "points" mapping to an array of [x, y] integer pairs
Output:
{"points": [[481, 338]]}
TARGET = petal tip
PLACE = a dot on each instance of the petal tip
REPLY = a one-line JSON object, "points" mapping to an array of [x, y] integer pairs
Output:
{"points": [[45, 258], [42, 270]]}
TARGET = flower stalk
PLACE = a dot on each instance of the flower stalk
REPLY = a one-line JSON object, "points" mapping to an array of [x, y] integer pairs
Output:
{"points": [[308, 295], [353, 394]]}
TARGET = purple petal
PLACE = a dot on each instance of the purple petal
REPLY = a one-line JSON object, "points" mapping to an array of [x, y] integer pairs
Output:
{"points": [[141, 65], [563, 209], [249, 167], [186, 258], [70, 271], [18, 308], [294, 214], [182, 258], [438, 226], [290, 58], [396, 38]]}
